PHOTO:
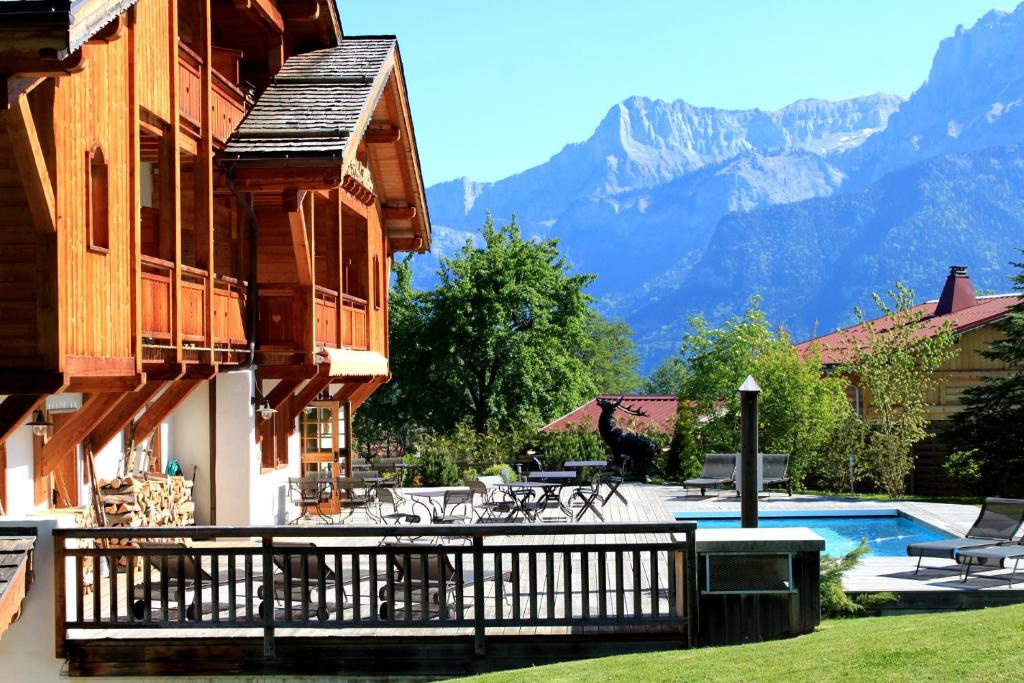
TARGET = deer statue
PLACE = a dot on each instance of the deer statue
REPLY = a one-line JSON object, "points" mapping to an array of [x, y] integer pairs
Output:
{"points": [[633, 452]]}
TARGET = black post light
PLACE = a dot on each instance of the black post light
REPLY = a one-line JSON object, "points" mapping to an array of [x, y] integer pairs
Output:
{"points": [[748, 453]]}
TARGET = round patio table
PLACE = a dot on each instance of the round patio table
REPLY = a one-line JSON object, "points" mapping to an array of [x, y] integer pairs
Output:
{"points": [[429, 501]]}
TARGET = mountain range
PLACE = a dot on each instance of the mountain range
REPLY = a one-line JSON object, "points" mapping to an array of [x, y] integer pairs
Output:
{"points": [[683, 210]]}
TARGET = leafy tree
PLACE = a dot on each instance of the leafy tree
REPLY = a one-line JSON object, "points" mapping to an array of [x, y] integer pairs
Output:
{"points": [[800, 409], [990, 429], [895, 362], [500, 343], [667, 378], [611, 356]]}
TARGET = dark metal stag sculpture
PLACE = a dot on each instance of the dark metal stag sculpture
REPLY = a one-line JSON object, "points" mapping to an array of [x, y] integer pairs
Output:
{"points": [[631, 452]]}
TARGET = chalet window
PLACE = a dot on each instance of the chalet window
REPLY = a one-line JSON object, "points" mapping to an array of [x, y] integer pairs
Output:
{"points": [[97, 200], [376, 283]]}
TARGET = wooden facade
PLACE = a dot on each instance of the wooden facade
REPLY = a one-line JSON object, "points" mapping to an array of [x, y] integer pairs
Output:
{"points": [[137, 259]]}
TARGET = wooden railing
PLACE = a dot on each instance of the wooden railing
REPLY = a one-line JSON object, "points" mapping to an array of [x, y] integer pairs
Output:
{"points": [[635, 574], [157, 298], [228, 103], [190, 88], [229, 304], [229, 311], [325, 316], [193, 304], [354, 322]]}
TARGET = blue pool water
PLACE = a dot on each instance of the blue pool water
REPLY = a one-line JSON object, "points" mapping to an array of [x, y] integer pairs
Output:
{"points": [[887, 535]]}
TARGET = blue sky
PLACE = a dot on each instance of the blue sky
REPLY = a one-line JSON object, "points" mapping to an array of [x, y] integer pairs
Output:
{"points": [[497, 87]]}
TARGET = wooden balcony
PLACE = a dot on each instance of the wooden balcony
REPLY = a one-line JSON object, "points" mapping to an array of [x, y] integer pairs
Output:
{"points": [[325, 317], [229, 306], [228, 103], [355, 334]]}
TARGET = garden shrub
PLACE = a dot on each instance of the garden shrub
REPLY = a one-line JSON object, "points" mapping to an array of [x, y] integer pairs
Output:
{"points": [[577, 442], [436, 464], [834, 600], [504, 471]]}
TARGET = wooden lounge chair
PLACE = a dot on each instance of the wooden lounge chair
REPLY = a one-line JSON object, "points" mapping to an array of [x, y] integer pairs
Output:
{"points": [[998, 522], [303, 584], [719, 471], [430, 592], [774, 471]]}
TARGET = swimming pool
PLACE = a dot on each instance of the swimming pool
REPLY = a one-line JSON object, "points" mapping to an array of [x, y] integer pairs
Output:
{"points": [[887, 531]]}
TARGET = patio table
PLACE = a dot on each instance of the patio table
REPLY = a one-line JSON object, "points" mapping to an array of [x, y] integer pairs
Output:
{"points": [[429, 500], [553, 476], [582, 464], [550, 490]]}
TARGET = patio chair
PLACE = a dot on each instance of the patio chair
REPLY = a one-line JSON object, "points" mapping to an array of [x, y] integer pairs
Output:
{"points": [[429, 591], [992, 556], [774, 471], [180, 575], [589, 494], [611, 476], [357, 493], [302, 587], [998, 522], [386, 496], [453, 507], [490, 507], [308, 494], [719, 470]]}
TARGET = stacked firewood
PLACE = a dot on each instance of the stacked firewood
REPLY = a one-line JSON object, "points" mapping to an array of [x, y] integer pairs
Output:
{"points": [[150, 501]]}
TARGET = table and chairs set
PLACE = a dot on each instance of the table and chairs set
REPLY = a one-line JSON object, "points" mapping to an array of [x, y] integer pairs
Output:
{"points": [[581, 487]]}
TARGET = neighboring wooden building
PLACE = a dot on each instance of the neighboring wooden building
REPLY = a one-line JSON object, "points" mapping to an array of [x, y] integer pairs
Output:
{"points": [[195, 195], [974, 320]]}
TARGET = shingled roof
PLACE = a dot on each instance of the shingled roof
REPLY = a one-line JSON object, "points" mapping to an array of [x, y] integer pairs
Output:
{"points": [[834, 348], [661, 412], [316, 102]]}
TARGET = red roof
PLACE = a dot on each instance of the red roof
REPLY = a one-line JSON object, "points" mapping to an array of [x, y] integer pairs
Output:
{"points": [[989, 309], [661, 413]]}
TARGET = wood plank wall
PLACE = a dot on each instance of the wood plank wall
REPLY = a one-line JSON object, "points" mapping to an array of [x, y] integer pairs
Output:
{"points": [[96, 287], [152, 26], [18, 274]]}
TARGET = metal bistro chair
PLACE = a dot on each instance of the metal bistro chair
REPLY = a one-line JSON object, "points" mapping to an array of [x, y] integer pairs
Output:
{"points": [[386, 496], [590, 494], [308, 493], [611, 476], [455, 501], [356, 493], [490, 507]]}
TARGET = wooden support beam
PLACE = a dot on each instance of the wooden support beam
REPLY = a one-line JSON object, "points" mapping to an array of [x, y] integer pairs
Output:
{"points": [[266, 10], [298, 372], [106, 384], [399, 213], [20, 382], [123, 413], [345, 392], [300, 10], [300, 239], [282, 392], [309, 392], [204, 173], [16, 409], [110, 32], [164, 406], [28, 155], [379, 135], [80, 424], [364, 391], [164, 371]]}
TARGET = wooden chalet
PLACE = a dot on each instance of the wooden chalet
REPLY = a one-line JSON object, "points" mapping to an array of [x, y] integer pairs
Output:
{"points": [[194, 195], [973, 319]]}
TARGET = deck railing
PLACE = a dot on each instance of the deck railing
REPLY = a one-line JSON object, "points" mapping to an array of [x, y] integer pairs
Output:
{"points": [[353, 322], [325, 316], [229, 310], [485, 575], [157, 298], [228, 103]]}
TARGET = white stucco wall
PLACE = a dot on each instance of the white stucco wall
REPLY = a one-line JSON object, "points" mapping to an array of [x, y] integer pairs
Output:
{"points": [[245, 494], [188, 442], [20, 468]]}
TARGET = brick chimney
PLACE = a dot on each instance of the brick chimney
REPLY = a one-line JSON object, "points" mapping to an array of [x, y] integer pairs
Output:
{"points": [[958, 293]]}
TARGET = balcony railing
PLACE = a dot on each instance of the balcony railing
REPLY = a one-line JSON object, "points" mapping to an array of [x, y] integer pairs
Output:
{"points": [[228, 103], [157, 298], [325, 316], [353, 322], [229, 305]]}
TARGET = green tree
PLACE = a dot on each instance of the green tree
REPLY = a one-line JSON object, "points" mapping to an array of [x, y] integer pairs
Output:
{"points": [[611, 356], [667, 378], [498, 342], [800, 408], [894, 359], [989, 432]]}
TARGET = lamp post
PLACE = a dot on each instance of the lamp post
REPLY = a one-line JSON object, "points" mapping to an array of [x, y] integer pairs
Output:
{"points": [[748, 453]]}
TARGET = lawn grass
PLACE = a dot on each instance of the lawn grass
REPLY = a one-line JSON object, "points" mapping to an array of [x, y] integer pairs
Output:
{"points": [[956, 500], [981, 645]]}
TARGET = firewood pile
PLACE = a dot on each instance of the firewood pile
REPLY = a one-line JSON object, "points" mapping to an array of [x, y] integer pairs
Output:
{"points": [[150, 501]]}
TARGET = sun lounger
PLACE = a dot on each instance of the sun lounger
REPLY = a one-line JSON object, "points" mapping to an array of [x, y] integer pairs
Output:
{"points": [[177, 572], [774, 471], [413, 591], [998, 522], [719, 471], [992, 556]]}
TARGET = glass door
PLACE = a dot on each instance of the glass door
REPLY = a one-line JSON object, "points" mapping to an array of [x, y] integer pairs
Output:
{"points": [[319, 434]]}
